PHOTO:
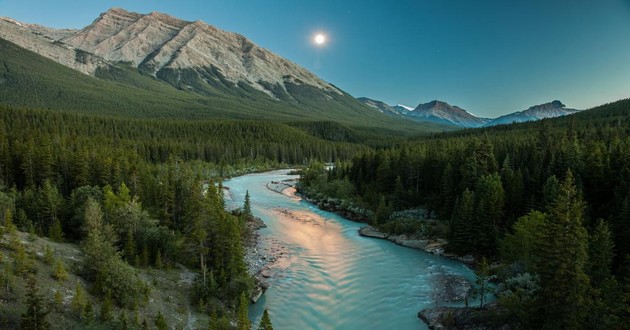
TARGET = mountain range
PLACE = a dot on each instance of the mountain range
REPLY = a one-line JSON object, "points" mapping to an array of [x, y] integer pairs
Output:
{"points": [[444, 113], [156, 65]]}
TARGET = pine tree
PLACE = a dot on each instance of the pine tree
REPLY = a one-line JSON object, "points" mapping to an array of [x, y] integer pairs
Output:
{"points": [[265, 323], [106, 308], [462, 222], [562, 258], [247, 206], [158, 260], [55, 232], [60, 273], [242, 321], [79, 300], [601, 253], [130, 249], [482, 281], [35, 316]]}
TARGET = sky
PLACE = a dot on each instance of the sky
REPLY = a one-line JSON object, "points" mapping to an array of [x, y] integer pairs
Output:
{"points": [[488, 57]]}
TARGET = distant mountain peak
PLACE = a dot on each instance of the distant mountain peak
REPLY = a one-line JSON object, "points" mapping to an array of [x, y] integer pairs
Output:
{"points": [[558, 104], [442, 112], [546, 110]]}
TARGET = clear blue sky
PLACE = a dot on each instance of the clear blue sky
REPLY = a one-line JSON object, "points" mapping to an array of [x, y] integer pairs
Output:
{"points": [[489, 57]]}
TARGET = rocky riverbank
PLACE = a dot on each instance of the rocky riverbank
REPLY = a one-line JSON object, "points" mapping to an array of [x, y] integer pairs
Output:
{"points": [[434, 246], [262, 257], [462, 318]]}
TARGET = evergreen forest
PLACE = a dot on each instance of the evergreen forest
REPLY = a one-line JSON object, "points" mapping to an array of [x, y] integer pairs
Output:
{"points": [[547, 202]]}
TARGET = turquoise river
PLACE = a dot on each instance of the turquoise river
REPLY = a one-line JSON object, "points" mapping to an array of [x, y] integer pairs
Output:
{"points": [[329, 277]]}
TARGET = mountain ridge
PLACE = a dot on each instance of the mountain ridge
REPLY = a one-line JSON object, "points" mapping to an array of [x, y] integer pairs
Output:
{"points": [[441, 112]]}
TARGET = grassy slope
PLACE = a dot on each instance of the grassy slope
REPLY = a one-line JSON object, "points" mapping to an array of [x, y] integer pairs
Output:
{"points": [[30, 80], [169, 290]]}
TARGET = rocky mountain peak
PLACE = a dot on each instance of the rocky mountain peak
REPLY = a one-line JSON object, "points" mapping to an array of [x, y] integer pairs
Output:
{"points": [[161, 44], [558, 104], [442, 112]]}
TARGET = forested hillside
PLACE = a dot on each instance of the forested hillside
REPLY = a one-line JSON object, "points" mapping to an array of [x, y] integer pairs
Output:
{"points": [[550, 200], [33, 81], [130, 192]]}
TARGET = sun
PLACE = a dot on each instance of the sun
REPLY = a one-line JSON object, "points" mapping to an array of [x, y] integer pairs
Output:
{"points": [[320, 39]]}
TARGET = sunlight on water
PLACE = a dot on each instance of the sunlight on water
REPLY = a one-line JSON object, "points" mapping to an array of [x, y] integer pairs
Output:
{"points": [[333, 278]]}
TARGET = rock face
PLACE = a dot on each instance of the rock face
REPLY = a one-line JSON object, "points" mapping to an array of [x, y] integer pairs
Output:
{"points": [[442, 112], [157, 43], [397, 110], [45, 42], [184, 54], [541, 111]]}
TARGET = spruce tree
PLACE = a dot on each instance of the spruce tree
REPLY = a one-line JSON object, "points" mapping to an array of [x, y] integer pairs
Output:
{"points": [[462, 222], [601, 253], [247, 206], [79, 300], [106, 308], [562, 258], [265, 323], [35, 316], [242, 318]]}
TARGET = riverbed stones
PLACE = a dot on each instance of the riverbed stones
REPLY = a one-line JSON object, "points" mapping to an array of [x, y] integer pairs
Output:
{"points": [[450, 287]]}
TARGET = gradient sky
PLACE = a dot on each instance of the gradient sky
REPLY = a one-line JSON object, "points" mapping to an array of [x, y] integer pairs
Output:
{"points": [[489, 57]]}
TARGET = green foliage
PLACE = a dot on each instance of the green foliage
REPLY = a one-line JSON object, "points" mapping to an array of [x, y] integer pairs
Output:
{"points": [[265, 323], [600, 253], [160, 322], [106, 308], [35, 316], [482, 280], [79, 300], [59, 270], [247, 206], [521, 246], [562, 260], [518, 295], [242, 320], [55, 232], [103, 263]]}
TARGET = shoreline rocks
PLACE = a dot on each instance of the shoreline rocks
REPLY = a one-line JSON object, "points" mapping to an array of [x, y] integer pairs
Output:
{"points": [[450, 288], [260, 259], [433, 246], [465, 318]]}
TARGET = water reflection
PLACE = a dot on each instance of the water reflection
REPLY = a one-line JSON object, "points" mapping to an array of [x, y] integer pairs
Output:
{"points": [[332, 278]]}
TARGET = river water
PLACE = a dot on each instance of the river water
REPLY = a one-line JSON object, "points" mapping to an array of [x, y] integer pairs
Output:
{"points": [[330, 277]]}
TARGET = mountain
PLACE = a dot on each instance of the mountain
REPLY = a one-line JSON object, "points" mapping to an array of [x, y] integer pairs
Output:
{"points": [[179, 52], [541, 111], [397, 110], [442, 112], [157, 66]]}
